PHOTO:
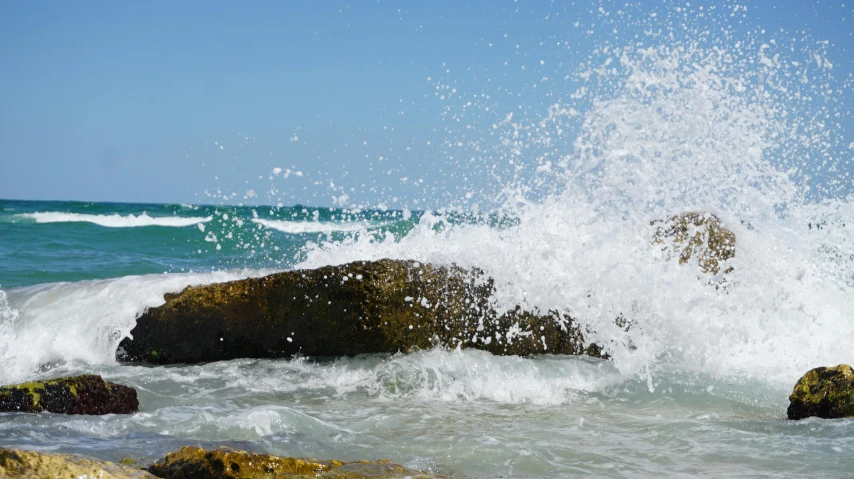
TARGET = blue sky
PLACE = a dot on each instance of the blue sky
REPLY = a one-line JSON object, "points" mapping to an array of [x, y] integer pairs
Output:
{"points": [[172, 101]]}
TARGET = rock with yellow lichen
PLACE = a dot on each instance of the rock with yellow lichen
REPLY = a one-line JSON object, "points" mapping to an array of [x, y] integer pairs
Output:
{"points": [[87, 394], [697, 237], [198, 463], [823, 392], [383, 306], [15, 464]]}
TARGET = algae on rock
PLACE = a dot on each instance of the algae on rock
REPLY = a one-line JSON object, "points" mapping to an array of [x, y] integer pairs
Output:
{"points": [[198, 463], [381, 306], [86, 394], [826, 392]]}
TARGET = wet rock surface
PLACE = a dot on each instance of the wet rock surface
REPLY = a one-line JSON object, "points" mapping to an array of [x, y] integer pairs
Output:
{"points": [[697, 236], [87, 394], [16, 464], [381, 306], [198, 463], [826, 392]]}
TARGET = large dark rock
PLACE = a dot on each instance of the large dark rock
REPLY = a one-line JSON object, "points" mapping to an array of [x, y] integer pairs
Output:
{"points": [[198, 463], [87, 394], [823, 392], [15, 464], [381, 306]]}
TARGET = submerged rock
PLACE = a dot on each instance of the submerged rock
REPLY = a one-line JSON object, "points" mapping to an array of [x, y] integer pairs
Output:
{"points": [[30, 464], [698, 236], [381, 306], [823, 392], [197, 463], [87, 394]]}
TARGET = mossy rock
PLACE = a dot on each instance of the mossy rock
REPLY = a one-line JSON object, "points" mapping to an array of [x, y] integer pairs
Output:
{"points": [[823, 392], [696, 236], [383, 306], [87, 394], [198, 463], [15, 464]]}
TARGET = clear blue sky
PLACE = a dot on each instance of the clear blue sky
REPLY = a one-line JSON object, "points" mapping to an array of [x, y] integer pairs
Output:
{"points": [[130, 101]]}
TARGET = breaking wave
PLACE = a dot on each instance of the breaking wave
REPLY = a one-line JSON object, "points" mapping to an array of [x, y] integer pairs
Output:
{"points": [[653, 131], [114, 221]]}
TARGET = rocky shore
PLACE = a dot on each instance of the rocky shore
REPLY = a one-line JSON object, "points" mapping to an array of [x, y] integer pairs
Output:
{"points": [[197, 463], [384, 306]]}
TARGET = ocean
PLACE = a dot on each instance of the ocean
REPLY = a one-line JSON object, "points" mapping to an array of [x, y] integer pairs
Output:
{"points": [[722, 121]]}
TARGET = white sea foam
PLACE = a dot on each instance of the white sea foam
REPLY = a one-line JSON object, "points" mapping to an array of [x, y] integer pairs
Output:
{"points": [[441, 375], [8, 316], [53, 324], [299, 227], [115, 220]]}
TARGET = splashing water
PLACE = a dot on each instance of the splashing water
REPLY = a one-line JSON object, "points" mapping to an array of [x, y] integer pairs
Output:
{"points": [[63, 324], [7, 318], [668, 129], [7, 314]]}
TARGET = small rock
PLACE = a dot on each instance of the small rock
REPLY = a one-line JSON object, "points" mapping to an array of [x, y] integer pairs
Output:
{"points": [[823, 392], [87, 394], [698, 236]]}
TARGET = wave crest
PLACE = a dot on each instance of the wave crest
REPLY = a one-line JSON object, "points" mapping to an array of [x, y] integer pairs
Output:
{"points": [[114, 220]]}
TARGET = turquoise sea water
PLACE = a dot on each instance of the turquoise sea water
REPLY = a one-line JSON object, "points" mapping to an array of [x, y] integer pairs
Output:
{"points": [[52, 241]]}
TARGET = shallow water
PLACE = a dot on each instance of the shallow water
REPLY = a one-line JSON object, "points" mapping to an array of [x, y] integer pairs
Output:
{"points": [[465, 413]]}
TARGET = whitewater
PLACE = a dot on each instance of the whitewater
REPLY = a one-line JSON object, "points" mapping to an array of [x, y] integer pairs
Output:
{"points": [[734, 124]]}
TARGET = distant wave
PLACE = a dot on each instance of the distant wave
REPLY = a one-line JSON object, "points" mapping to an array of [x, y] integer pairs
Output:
{"points": [[297, 227], [114, 221]]}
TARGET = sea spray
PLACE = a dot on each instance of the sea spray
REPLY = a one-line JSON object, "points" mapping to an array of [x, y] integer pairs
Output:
{"points": [[8, 316], [718, 128], [62, 324]]}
